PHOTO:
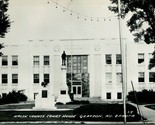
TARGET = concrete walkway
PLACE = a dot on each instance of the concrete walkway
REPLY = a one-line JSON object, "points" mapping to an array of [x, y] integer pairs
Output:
{"points": [[147, 113]]}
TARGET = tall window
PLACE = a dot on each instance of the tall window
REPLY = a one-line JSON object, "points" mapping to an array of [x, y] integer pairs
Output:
{"points": [[109, 78], [141, 77], [140, 58], [14, 78], [118, 59], [35, 60], [152, 77], [4, 60], [108, 95], [119, 95], [46, 78], [46, 60], [14, 60], [108, 59], [4, 78], [119, 77], [35, 78], [79, 64]]}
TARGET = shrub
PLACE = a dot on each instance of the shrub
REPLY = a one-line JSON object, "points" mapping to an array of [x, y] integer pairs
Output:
{"points": [[14, 97], [144, 96], [59, 103], [78, 102], [105, 112]]}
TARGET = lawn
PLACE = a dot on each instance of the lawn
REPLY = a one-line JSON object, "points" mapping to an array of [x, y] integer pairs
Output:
{"points": [[76, 112], [31, 105]]}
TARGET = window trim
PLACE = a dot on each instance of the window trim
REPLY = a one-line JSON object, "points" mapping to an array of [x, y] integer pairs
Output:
{"points": [[141, 79], [108, 60], [46, 60], [3, 62], [36, 60], [150, 78], [36, 80], [15, 60], [108, 97], [141, 60], [3, 79], [15, 80], [47, 79]]}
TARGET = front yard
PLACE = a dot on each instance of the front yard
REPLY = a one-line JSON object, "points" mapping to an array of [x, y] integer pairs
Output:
{"points": [[68, 112]]}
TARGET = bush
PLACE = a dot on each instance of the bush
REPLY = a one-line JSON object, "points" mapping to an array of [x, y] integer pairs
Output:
{"points": [[59, 103], [78, 102], [144, 96], [105, 112], [13, 97]]}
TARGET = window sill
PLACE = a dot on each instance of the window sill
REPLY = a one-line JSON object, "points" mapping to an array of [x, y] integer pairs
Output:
{"points": [[151, 82], [36, 84], [141, 64], [5, 66], [108, 64], [36, 66], [14, 84], [3, 84], [141, 82], [14, 66]]}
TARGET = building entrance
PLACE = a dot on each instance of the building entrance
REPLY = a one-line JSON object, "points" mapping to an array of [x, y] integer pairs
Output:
{"points": [[77, 89]]}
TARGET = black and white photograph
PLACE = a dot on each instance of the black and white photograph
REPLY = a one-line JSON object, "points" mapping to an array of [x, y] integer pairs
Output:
{"points": [[77, 62]]}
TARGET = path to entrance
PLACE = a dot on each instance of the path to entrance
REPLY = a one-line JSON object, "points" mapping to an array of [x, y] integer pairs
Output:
{"points": [[147, 113]]}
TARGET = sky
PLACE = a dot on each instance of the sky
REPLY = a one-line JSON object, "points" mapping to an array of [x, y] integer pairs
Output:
{"points": [[62, 19]]}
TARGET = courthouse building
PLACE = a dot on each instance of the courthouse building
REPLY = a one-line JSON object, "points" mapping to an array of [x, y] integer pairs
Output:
{"points": [[94, 67]]}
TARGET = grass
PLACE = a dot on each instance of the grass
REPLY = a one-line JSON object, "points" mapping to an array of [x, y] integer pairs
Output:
{"points": [[65, 115], [31, 105], [16, 106]]}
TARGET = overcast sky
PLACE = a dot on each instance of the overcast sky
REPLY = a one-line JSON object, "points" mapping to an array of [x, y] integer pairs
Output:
{"points": [[43, 19]]}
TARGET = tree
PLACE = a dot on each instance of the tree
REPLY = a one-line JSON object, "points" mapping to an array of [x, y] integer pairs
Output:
{"points": [[4, 21], [4, 18], [141, 22]]}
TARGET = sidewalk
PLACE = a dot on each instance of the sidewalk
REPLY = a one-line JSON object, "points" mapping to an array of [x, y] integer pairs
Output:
{"points": [[147, 113]]}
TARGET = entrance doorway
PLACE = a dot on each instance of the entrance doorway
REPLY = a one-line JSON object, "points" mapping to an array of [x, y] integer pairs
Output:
{"points": [[77, 89]]}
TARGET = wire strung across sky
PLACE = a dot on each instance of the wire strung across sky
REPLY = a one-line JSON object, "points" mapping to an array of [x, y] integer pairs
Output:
{"points": [[80, 15]]}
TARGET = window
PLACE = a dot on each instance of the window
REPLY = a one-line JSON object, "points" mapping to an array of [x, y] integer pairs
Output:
{"points": [[140, 58], [74, 90], [79, 64], [119, 95], [35, 60], [4, 78], [35, 78], [108, 95], [108, 59], [118, 59], [108, 77], [79, 90], [14, 78], [141, 77], [46, 60], [14, 60], [44, 93], [4, 60], [119, 77], [63, 92], [152, 77], [46, 78]]}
